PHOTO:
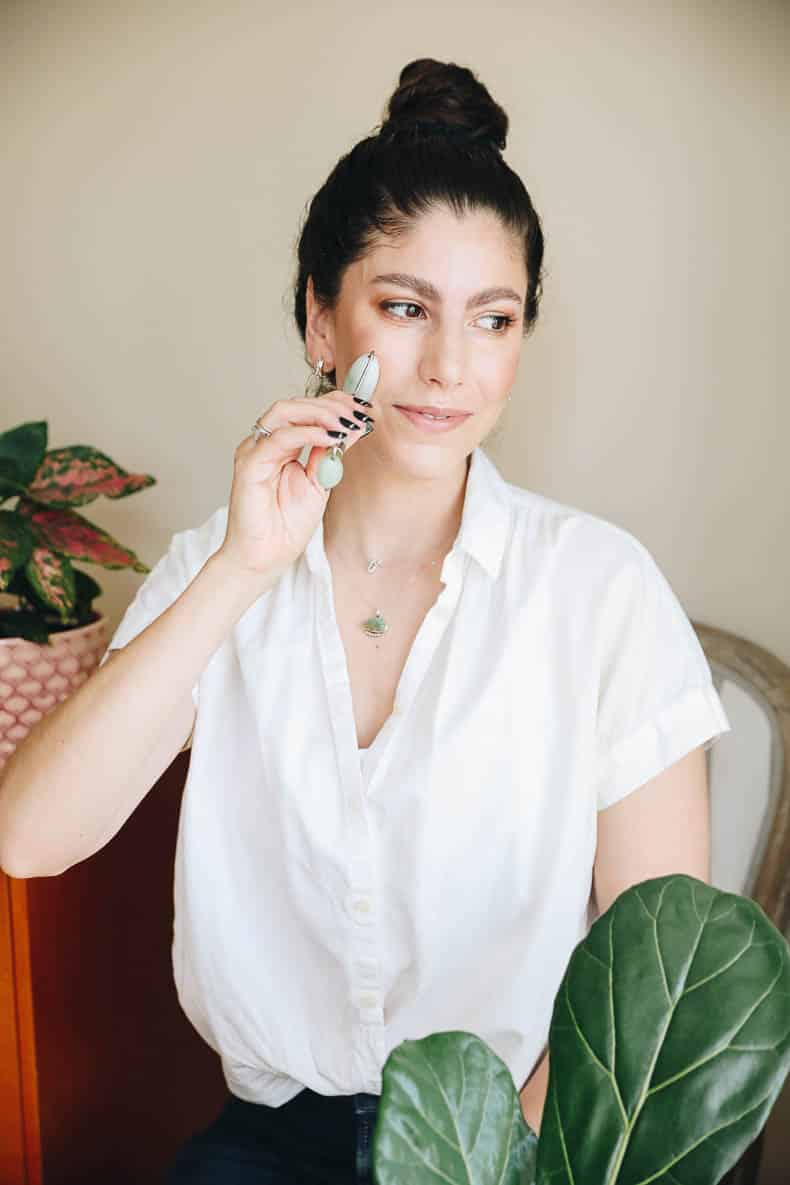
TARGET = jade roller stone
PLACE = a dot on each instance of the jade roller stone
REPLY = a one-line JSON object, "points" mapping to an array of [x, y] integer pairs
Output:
{"points": [[362, 377]]}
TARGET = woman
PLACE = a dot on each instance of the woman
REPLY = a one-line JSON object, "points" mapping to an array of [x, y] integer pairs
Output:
{"points": [[390, 833]]}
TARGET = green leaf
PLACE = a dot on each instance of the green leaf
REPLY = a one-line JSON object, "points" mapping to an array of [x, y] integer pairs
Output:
{"points": [[86, 586], [16, 546], [34, 618], [450, 1113], [52, 577], [67, 532], [22, 450], [80, 473], [10, 483], [669, 1039], [669, 1043]]}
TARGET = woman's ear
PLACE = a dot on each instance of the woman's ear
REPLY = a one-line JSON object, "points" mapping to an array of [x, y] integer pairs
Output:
{"points": [[319, 330]]}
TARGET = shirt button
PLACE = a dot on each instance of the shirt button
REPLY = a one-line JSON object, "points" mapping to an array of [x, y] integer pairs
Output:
{"points": [[361, 907]]}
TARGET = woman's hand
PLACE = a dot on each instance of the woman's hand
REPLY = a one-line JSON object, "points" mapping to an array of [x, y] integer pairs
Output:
{"points": [[275, 504]]}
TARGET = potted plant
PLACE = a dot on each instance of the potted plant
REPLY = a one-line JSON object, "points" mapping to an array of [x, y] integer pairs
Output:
{"points": [[51, 638], [668, 1045]]}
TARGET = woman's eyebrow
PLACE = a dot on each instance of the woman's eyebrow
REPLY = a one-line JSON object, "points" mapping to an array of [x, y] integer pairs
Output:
{"points": [[428, 292]]}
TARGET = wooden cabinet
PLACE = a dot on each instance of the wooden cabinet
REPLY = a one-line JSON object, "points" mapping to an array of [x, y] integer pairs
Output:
{"points": [[101, 1074], [102, 1077]]}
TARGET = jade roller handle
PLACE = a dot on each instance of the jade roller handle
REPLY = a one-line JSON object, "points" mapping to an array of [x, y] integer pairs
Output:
{"points": [[362, 377]]}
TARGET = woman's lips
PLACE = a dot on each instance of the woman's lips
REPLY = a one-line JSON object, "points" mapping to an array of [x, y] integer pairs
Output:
{"points": [[428, 425]]}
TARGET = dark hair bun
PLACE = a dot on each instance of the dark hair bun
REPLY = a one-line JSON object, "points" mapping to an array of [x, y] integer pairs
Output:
{"points": [[446, 100]]}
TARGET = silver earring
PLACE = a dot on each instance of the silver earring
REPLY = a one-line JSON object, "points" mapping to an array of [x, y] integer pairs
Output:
{"points": [[317, 383]]}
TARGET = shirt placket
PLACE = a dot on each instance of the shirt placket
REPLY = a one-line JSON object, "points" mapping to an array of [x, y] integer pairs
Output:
{"points": [[367, 1043], [363, 897], [341, 707]]}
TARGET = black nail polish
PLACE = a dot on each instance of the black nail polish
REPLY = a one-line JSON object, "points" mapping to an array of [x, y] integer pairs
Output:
{"points": [[364, 402], [348, 423], [338, 435], [360, 415]]}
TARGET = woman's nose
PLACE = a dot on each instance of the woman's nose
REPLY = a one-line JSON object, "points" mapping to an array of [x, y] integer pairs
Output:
{"points": [[444, 360]]}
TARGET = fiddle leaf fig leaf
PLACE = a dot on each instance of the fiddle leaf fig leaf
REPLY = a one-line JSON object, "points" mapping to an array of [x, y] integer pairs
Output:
{"points": [[449, 1112], [669, 1039]]}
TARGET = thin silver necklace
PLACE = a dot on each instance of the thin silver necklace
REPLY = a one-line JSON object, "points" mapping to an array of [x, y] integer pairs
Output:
{"points": [[377, 625]]}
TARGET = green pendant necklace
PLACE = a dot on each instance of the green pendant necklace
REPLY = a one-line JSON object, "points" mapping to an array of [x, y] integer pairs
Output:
{"points": [[377, 625]]}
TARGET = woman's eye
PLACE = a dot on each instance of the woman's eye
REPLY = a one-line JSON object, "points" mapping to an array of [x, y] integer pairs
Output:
{"points": [[505, 321], [400, 304]]}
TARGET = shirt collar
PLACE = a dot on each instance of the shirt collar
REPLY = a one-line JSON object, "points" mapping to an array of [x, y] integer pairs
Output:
{"points": [[484, 521]]}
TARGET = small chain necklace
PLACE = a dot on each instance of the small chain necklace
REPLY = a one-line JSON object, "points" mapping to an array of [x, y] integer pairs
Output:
{"points": [[376, 625]]}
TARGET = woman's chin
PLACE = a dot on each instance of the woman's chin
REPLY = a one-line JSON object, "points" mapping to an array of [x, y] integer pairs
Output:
{"points": [[423, 458]]}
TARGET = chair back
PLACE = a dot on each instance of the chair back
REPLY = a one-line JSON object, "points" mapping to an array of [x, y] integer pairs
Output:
{"points": [[749, 773], [749, 782]]}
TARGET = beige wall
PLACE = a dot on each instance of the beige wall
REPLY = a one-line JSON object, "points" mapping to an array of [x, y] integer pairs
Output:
{"points": [[158, 158], [157, 163]]}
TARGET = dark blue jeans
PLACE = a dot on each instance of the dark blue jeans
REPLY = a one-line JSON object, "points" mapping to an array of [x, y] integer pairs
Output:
{"points": [[312, 1139]]}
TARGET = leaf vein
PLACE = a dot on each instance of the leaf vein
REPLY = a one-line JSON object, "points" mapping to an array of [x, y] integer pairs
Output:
{"points": [[708, 1136], [612, 1177], [726, 967], [568, 1168], [595, 1057]]}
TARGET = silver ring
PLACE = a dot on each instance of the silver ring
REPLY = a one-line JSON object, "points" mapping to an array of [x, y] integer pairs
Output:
{"points": [[258, 430]]}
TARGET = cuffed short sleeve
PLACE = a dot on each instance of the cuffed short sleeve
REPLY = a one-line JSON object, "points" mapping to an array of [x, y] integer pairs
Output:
{"points": [[657, 700], [162, 586]]}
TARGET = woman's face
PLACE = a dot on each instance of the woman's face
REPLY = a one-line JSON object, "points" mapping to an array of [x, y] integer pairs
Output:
{"points": [[438, 344]]}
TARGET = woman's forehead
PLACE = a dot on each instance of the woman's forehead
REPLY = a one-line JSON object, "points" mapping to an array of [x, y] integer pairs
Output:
{"points": [[475, 274]]}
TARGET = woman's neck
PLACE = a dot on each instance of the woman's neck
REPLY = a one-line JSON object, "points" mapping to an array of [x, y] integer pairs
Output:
{"points": [[401, 519]]}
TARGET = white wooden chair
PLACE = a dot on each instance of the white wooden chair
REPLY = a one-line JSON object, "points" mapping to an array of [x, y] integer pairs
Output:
{"points": [[749, 781]]}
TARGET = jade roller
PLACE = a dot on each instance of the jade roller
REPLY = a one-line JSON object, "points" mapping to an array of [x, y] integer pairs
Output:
{"points": [[362, 377]]}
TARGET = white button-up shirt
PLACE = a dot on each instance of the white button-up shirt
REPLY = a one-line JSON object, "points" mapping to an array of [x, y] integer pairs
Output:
{"points": [[331, 904]]}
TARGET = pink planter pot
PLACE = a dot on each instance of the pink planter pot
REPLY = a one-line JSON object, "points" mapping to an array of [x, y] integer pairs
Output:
{"points": [[34, 678]]}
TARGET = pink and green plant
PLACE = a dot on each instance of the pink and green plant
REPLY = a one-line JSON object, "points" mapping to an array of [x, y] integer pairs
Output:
{"points": [[42, 535]]}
